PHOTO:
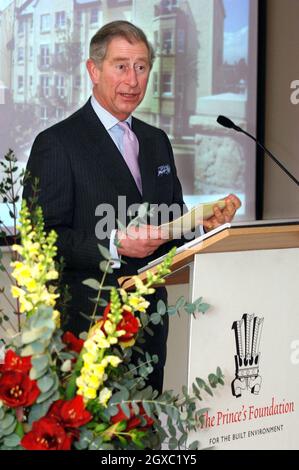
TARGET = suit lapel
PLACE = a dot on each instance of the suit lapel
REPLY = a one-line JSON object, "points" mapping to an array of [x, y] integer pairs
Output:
{"points": [[146, 162], [105, 153]]}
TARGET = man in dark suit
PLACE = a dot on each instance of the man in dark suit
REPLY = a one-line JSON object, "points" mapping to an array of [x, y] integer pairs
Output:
{"points": [[81, 164]]}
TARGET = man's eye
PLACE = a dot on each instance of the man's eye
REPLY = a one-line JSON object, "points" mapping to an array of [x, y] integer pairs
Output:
{"points": [[140, 68], [120, 66]]}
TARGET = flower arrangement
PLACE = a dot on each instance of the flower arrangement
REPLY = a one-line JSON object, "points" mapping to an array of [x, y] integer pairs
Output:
{"points": [[60, 392]]}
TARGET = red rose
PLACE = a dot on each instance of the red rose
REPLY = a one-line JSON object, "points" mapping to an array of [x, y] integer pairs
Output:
{"points": [[47, 434], [129, 324], [70, 413], [17, 363], [72, 342], [134, 421], [17, 389], [149, 421]]}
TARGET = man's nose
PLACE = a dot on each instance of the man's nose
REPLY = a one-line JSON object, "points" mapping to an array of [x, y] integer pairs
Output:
{"points": [[131, 77]]}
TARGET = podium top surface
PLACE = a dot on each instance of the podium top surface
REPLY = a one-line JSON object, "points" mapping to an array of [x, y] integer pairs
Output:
{"points": [[229, 240]]}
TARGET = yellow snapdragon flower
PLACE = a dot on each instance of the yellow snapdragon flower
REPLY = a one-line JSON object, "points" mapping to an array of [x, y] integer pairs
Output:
{"points": [[105, 396]]}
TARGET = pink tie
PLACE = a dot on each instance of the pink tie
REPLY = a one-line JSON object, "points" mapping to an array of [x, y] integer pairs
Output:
{"points": [[131, 152]]}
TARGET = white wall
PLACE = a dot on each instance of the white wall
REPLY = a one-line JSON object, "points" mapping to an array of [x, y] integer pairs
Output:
{"points": [[281, 196]]}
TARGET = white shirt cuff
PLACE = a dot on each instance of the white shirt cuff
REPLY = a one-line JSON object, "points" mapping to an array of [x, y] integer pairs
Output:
{"points": [[202, 232], [113, 250]]}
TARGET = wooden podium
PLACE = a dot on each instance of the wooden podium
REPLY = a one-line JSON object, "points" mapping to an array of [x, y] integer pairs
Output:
{"points": [[250, 277]]}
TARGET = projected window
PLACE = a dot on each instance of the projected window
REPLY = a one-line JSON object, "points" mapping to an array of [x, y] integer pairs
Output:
{"points": [[45, 85], [94, 16], [60, 19], [205, 66], [44, 56], [60, 86], [45, 23], [167, 88], [167, 41]]}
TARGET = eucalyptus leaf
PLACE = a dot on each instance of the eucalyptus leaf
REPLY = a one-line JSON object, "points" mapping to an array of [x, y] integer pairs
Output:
{"points": [[148, 409], [40, 362], [12, 441], [10, 429], [30, 336], [102, 303], [118, 397], [126, 410], [180, 302], [172, 311], [33, 349], [135, 408], [213, 380], [96, 444], [182, 440], [194, 445], [190, 308], [7, 421], [105, 267], [104, 252], [203, 308], [112, 410], [36, 374], [107, 447], [173, 443], [92, 283], [149, 331], [155, 318], [171, 428], [200, 382], [45, 396], [85, 439], [37, 411], [161, 307], [46, 383]]}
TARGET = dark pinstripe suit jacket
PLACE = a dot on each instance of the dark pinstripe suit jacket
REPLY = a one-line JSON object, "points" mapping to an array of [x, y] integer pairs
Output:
{"points": [[79, 167]]}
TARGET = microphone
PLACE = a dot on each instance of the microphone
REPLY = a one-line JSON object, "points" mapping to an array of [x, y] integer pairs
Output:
{"points": [[226, 122]]}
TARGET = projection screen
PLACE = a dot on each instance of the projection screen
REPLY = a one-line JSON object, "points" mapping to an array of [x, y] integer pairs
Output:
{"points": [[206, 65]]}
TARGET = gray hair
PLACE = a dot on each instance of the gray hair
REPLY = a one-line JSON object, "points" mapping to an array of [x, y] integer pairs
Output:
{"points": [[101, 40]]}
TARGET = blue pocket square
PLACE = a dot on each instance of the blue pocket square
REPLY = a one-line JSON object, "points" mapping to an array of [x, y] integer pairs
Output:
{"points": [[163, 170]]}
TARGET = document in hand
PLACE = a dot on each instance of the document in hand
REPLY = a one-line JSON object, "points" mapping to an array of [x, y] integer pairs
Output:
{"points": [[191, 219]]}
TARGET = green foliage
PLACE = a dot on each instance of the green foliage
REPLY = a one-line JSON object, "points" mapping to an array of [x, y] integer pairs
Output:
{"points": [[37, 338], [125, 395], [191, 308], [8, 426]]}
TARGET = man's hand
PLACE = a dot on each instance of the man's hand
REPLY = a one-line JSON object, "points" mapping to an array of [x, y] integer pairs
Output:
{"points": [[139, 242], [223, 216]]}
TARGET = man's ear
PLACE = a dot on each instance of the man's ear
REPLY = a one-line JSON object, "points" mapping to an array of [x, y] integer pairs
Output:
{"points": [[93, 71]]}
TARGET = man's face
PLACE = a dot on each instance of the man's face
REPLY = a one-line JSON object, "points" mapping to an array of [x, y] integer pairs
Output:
{"points": [[120, 81]]}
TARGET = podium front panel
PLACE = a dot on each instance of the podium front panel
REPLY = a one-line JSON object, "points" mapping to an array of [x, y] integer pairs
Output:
{"points": [[251, 332]]}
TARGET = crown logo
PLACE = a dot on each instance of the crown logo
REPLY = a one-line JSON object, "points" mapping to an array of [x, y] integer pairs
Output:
{"points": [[248, 333]]}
